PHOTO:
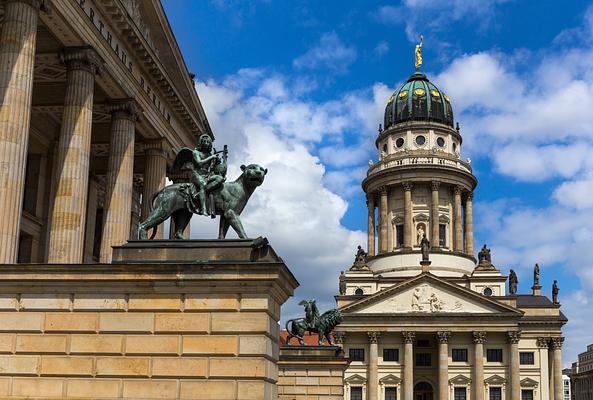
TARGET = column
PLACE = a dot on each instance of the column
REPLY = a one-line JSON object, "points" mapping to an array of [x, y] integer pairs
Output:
{"points": [[409, 365], [479, 339], [120, 177], [469, 225], [383, 220], [17, 57], [542, 344], [550, 369], [556, 344], [457, 219], [155, 174], [66, 241], [434, 217], [407, 215], [373, 386], [371, 225], [91, 219], [515, 371], [443, 338]]}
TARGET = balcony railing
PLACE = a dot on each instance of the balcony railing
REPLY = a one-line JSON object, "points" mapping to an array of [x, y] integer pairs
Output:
{"points": [[414, 159]]}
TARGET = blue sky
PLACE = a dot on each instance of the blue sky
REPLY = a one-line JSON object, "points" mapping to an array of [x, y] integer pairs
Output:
{"points": [[300, 86]]}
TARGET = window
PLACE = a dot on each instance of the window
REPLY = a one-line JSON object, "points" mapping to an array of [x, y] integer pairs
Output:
{"points": [[423, 343], [459, 355], [399, 142], [390, 393], [495, 393], [356, 393], [357, 354], [385, 148], [423, 359], [526, 358], [442, 235], [460, 393], [441, 142], [487, 292], [494, 355], [420, 140], [527, 394], [359, 292], [399, 233], [390, 354]]}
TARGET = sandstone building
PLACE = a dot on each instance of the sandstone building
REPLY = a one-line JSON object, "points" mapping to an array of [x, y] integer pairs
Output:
{"points": [[96, 99], [581, 376], [448, 329]]}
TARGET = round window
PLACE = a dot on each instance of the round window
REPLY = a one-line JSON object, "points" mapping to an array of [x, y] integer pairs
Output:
{"points": [[441, 142], [487, 292], [399, 142], [420, 140], [359, 292]]}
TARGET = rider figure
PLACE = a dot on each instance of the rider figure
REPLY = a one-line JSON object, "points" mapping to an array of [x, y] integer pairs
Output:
{"points": [[311, 314], [203, 176]]}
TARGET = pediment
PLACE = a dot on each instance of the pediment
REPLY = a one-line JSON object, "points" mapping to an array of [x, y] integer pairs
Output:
{"points": [[528, 383], [427, 294], [355, 379], [460, 380], [390, 380], [495, 380]]}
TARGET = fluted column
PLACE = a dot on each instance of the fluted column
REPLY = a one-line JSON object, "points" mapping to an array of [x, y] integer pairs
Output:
{"points": [[74, 149], [17, 57], [155, 174], [556, 344], [542, 344], [469, 225], [373, 386], [443, 338], [515, 371], [408, 365], [457, 222], [91, 219], [434, 217], [407, 214], [383, 220], [479, 339], [371, 225], [120, 177]]}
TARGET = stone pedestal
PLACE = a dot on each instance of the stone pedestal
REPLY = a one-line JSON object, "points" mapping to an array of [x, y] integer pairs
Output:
{"points": [[311, 372], [166, 319]]}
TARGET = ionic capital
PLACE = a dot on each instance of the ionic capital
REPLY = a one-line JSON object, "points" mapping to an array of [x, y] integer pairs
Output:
{"points": [[374, 337], [514, 337], [42, 5], [443, 336], [409, 337], [407, 186], [435, 185], [556, 342], [479, 337], [124, 109], [543, 342], [84, 58]]}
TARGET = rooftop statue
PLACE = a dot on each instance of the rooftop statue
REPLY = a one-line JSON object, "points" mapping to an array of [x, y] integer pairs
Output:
{"points": [[361, 256], [418, 54], [484, 256], [342, 283], [536, 275], [425, 247], [314, 323], [202, 190], [513, 282], [555, 291]]}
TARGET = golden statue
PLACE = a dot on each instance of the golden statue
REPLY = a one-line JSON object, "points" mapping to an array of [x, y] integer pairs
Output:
{"points": [[419, 54]]}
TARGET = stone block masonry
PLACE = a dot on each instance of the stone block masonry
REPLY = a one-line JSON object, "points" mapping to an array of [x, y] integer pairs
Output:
{"points": [[144, 330]]}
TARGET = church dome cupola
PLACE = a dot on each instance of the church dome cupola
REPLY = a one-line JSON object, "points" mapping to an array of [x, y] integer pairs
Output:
{"points": [[418, 100]]}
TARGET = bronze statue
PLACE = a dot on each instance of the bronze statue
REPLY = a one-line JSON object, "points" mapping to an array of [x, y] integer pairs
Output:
{"points": [[513, 282], [536, 275], [425, 247], [555, 291], [484, 256], [203, 191], [342, 283], [314, 323]]}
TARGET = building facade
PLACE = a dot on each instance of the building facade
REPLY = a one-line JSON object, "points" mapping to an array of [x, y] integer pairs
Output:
{"points": [[96, 99], [440, 325], [581, 376]]}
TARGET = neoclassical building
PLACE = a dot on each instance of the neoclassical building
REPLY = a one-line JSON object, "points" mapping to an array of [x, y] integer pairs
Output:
{"points": [[96, 99], [446, 328]]}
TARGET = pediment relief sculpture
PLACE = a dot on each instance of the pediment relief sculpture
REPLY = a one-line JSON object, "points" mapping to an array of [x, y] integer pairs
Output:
{"points": [[421, 217], [444, 219]]}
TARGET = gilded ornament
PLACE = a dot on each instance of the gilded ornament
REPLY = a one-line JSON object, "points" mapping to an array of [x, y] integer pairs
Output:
{"points": [[390, 99], [435, 93], [419, 92], [403, 94], [447, 98]]}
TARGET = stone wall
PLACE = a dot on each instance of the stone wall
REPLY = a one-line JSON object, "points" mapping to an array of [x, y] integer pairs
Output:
{"points": [[145, 331], [311, 373]]}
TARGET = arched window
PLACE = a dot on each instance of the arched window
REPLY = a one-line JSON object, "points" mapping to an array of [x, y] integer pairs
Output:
{"points": [[359, 292]]}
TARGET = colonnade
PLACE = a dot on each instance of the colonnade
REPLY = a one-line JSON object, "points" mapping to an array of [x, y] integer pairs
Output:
{"points": [[71, 177], [462, 228], [477, 378]]}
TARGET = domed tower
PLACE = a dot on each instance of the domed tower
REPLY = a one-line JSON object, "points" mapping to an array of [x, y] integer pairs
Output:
{"points": [[420, 186]]}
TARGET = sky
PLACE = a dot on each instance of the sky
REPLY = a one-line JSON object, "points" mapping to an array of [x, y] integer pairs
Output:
{"points": [[300, 88]]}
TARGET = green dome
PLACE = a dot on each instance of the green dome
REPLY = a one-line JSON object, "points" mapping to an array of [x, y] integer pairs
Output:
{"points": [[418, 100]]}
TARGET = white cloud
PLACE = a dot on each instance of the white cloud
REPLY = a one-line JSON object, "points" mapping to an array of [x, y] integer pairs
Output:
{"points": [[330, 53], [381, 49]]}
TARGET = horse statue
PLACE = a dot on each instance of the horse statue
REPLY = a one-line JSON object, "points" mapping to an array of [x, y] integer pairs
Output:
{"points": [[321, 324], [228, 201]]}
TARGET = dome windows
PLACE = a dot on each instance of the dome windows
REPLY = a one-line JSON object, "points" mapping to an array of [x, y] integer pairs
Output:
{"points": [[440, 142], [420, 140], [399, 142]]}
